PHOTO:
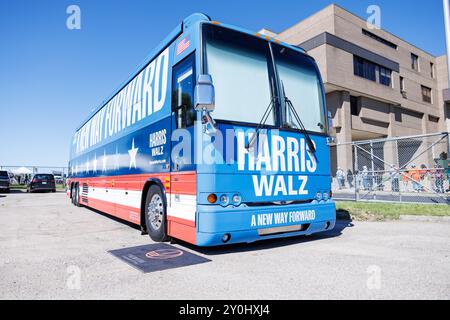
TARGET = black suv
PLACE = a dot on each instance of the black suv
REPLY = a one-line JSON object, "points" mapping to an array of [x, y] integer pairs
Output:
{"points": [[42, 182], [4, 181]]}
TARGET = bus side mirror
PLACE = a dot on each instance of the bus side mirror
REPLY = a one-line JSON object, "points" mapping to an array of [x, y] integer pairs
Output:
{"points": [[204, 93]]}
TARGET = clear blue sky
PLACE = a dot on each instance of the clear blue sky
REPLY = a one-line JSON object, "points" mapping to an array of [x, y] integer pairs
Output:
{"points": [[51, 77]]}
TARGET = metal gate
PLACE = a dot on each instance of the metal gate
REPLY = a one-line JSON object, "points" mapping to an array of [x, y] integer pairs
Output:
{"points": [[405, 169]]}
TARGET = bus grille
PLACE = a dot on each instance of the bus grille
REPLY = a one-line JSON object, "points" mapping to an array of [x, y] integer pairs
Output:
{"points": [[284, 229]]}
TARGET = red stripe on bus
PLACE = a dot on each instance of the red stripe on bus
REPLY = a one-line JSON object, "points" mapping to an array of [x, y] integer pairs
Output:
{"points": [[189, 223], [181, 229], [178, 182], [183, 183], [129, 214]]}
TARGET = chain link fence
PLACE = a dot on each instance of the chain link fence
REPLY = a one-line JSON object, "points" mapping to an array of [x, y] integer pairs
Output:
{"points": [[406, 169], [20, 175]]}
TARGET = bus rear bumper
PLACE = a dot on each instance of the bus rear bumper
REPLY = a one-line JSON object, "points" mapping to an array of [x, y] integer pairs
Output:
{"points": [[250, 224]]}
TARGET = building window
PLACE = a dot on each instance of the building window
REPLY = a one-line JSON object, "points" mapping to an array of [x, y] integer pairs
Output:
{"points": [[354, 105], [385, 76], [364, 68], [398, 115], [433, 118], [414, 62], [432, 69], [402, 84], [426, 94], [379, 39], [371, 71]]}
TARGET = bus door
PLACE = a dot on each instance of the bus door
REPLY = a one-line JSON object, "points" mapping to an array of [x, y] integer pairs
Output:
{"points": [[182, 200], [183, 113]]}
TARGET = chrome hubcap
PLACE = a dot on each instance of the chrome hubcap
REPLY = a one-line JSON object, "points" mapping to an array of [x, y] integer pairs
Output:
{"points": [[156, 211]]}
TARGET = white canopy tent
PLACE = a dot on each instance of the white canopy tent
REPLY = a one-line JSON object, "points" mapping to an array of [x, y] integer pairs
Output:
{"points": [[22, 170]]}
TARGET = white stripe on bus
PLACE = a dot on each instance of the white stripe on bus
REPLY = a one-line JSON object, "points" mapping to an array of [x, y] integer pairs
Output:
{"points": [[179, 206], [182, 206], [118, 196]]}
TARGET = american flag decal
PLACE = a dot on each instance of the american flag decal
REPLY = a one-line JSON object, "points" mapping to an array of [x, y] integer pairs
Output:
{"points": [[182, 45]]}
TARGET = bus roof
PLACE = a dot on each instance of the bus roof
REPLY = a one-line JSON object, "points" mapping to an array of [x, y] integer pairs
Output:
{"points": [[154, 53], [263, 36], [179, 29]]}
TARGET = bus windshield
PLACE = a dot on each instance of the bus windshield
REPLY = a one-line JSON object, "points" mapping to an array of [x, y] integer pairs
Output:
{"points": [[301, 84], [240, 66]]}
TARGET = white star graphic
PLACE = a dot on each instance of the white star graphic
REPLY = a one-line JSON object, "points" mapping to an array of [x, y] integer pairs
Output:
{"points": [[133, 152], [95, 163], [104, 161]]}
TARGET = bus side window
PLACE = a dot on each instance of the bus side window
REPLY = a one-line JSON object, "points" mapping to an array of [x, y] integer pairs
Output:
{"points": [[183, 93]]}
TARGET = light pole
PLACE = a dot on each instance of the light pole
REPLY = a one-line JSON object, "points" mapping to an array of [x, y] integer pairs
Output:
{"points": [[447, 34], [447, 42]]}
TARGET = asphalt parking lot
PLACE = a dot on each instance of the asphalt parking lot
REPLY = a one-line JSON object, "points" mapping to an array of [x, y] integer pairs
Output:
{"points": [[50, 249]]}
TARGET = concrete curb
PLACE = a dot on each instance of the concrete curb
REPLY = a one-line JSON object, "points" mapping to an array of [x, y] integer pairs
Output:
{"points": [[425, 218]]}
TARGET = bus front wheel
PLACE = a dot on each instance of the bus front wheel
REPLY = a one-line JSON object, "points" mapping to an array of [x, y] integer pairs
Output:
{"points": [[155, 214]]}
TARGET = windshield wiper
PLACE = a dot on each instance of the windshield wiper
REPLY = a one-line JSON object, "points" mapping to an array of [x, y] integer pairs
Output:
{"points": [[261, 124], [288, 102]]}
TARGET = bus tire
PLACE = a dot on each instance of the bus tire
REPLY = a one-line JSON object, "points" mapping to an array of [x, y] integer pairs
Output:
{"points": [[72, 194], [77, 200], [155, 214]]}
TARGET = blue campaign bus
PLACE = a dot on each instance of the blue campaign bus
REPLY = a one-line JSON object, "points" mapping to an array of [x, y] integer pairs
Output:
{"points": [[219, 137]]}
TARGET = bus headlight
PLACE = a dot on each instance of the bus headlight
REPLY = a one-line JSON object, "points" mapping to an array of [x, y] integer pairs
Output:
{"points": [[325, 196], [236, 199], [224, 200], [319, 196]]}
